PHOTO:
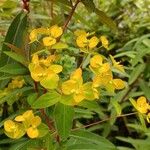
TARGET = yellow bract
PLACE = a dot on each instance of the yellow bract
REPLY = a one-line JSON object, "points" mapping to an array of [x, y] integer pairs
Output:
{"points": [[116, 64], [142, 105], [97, 65], [77, 89], [25, 123], [30, 122], [50, 35], [105, 80], [104, 41], [83, 42], [44, 71], [13, 129]]}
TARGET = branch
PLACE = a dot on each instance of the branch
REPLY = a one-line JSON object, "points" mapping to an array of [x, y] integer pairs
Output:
{"points": [[107, 119], [69, 17]]}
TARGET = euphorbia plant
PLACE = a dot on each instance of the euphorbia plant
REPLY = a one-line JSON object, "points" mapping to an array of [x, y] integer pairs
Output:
{"points": [[45, 98]]}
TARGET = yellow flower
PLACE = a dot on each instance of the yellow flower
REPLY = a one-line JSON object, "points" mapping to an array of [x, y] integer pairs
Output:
{"points": [[54, 32], [141, 105], [97, 65], [116, 64], [34, 34], [106, 81], [51, 34], [104, 41], [77, 89], [44, 71], [83, 42], [30, 123], [13, 130]]}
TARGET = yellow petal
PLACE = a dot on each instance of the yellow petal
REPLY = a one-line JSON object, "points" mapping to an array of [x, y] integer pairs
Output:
{"points": [[93, 42], [90, 92], [79, 97], [35, 59], [28, 115], [104, 68], [69, 87], [49, 41], [32, 132], [37, 72], [33, 36], [56, 31], [56, 68], [19, 118], [50, 81], [17, 132], [9, 126], [104, 41], [36, 121], [82, 41], [76, 75], [96, 61], [119, 84]]}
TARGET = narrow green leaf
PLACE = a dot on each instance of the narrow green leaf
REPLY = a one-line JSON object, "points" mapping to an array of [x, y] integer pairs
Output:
{"points": [[14, 35], [16, 57], [31, 98], [106, 20], [136, 72], [89, 137], [15, 69], [46, 100], [63, 119], [146, 89], [116, 105]]}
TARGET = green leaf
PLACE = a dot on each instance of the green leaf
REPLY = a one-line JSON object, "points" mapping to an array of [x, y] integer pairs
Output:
{"points": [[106, 20], [89, 137], [89, 4], [31, 98], [43, 130], [136, 72], [116, 105], [15, 35], [83, 146], [15, 69], [63, 119], [16, 57], [145, 88], [46, 100]]}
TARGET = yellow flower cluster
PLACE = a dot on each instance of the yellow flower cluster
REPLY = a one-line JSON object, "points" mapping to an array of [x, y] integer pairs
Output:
{"points": [[103, 75], [50, 35], [22, 124], [44, 70], [74, 87], [142, 106], [86, 42], [16, 82]]}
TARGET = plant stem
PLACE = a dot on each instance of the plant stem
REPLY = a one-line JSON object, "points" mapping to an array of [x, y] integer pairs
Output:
{"points": [[69, 17], [107, 119]]}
